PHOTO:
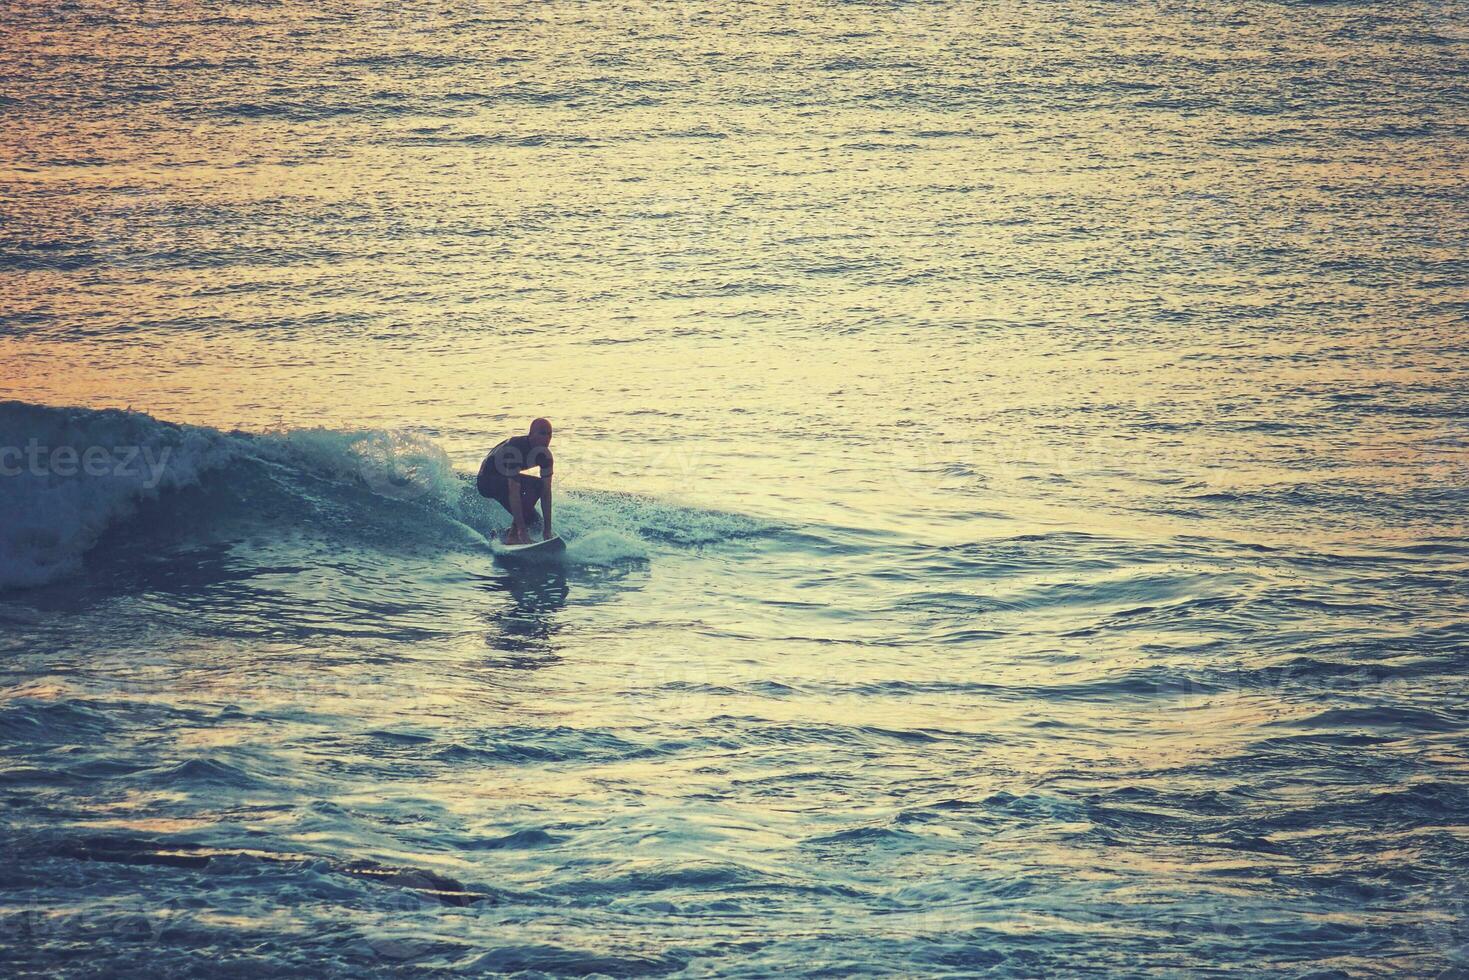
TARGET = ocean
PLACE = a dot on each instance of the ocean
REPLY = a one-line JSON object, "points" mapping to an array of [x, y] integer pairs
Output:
{"points": [[1012, 458]]}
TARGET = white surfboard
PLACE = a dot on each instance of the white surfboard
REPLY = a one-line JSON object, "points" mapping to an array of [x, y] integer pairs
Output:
{"points": [[535, 551]]}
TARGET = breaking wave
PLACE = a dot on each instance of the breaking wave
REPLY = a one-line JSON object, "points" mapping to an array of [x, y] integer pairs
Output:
{"points": [[70, 476]]}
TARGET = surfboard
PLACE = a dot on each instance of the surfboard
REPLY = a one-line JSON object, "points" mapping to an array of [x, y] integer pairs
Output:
{"points": [[535, 551]]}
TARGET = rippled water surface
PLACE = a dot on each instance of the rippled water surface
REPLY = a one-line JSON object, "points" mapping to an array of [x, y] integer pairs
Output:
{"points": [[1013, 458]]}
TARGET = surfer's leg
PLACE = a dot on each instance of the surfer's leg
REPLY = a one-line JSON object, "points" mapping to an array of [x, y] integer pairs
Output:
{"points": [[530, 495], [492, 486], [498, 492]]}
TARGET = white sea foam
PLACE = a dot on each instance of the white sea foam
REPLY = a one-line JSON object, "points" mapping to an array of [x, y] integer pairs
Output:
{"points": [[398, 463]]}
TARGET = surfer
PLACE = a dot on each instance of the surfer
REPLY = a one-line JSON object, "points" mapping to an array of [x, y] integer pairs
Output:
{"points": [[501, 478]]}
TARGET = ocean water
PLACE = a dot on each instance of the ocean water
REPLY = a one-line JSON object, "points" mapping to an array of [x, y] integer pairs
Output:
{"points": [[1013, 457]]}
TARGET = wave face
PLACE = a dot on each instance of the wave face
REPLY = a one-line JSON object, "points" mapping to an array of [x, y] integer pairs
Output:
{"points": [[70, 474]]}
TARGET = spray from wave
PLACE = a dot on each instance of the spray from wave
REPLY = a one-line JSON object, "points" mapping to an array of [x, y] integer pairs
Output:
{"points": [[70, 476]]}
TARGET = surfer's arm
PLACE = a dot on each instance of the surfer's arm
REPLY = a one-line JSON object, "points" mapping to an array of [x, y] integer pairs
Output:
{"points": [[546, 506]]}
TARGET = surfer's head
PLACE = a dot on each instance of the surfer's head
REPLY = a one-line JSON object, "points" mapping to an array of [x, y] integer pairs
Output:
{"points": [[540, 433]]}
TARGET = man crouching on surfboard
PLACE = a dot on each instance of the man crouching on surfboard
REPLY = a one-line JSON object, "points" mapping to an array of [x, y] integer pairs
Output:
{"points": [[500, 478]]}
